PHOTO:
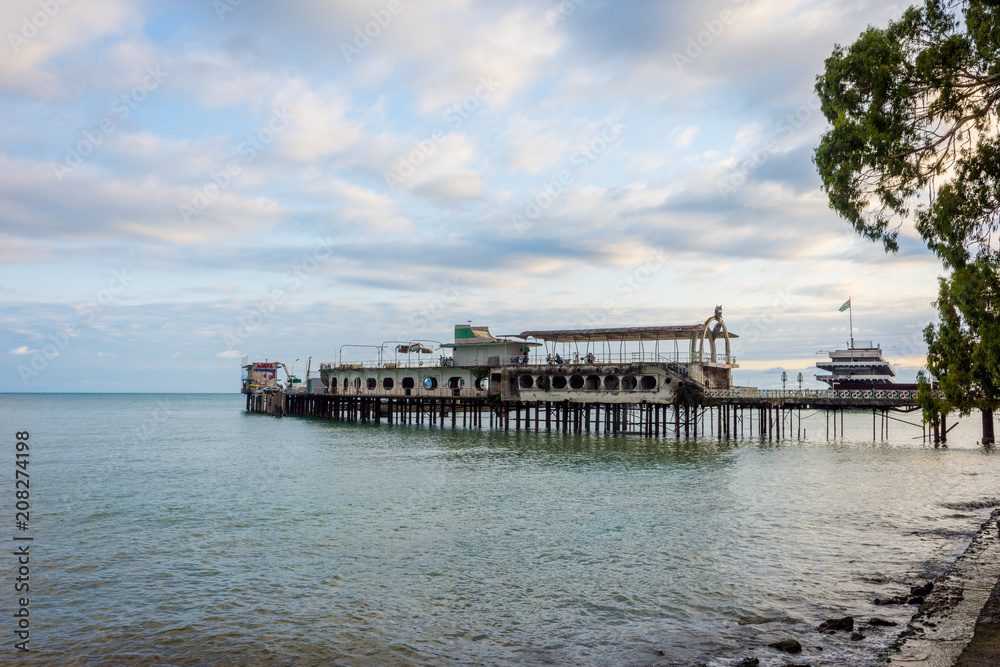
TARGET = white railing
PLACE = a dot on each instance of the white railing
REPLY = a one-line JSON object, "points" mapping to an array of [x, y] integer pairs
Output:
{"points": [[423, 363], [877, 394], [419, 391], [634, 358], [543, 360]]}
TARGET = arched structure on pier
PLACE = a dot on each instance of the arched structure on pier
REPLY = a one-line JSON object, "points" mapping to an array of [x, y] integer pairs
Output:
{"points": [[711, 370], [711, 334]]}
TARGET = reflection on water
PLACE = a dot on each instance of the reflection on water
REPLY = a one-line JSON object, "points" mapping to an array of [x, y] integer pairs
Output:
{"points": [[222, 536]]}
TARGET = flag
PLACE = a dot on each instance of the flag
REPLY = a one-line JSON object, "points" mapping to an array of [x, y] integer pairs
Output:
{"points": [[847, 305]]}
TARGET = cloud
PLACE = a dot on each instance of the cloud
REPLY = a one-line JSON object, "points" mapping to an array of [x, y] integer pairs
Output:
{"points": [[319, 125], [49, 42], [220, 78], [683, 136], [533, 145], [229, 354], [447, 174], [21, 350], [90, 206]]}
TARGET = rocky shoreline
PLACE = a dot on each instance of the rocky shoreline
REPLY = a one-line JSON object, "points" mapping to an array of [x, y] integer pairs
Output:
{"points": [[945, 625], [957, 623]]}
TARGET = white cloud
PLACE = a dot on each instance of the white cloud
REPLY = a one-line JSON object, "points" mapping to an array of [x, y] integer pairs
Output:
{"points": [[683, 136], [21, 350], [451, 48], [215, 79], [746, 135], [449, 173], [372, 209], [44, 48], [318, 127], [533, 145], [90, 205], [229, 354]]}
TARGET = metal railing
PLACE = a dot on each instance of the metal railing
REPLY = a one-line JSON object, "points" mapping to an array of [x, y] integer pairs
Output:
{"points": [[419, 391], [877, 394], [422, 363], [543, 360]]}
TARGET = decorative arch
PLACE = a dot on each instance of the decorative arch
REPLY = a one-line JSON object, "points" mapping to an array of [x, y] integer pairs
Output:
{"points": [[710, 334]]}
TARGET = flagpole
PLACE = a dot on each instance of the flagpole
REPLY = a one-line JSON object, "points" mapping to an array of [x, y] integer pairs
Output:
{"points": [[850, 314]]}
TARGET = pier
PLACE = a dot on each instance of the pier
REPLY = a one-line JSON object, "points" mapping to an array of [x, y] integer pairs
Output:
{"points": [[666, 381], [771, 414]]}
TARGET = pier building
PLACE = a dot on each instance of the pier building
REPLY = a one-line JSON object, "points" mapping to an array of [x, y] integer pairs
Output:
{"points": [[860, 364], [618, 365]]}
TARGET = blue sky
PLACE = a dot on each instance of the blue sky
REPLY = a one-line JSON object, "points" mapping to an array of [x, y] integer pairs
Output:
{"points": [[184, 183]]}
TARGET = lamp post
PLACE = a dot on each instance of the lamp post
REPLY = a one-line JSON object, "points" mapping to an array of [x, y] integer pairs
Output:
{"points": [[784, 379], [800, 381]]}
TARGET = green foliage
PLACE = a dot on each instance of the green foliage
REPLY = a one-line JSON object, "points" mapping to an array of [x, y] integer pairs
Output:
{"points": [[913, 110], [931, 406], [964, 348], [543, 382], [480, 372], [964, 218], [493, 400], [906, 104]]}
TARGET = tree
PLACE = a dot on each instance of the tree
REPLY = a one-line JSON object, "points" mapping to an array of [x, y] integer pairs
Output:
{"points": [[907, 103], [962, 349], [913, 110]]}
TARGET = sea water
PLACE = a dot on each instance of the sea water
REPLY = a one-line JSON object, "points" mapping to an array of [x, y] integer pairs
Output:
{"points": [[178, 529]]}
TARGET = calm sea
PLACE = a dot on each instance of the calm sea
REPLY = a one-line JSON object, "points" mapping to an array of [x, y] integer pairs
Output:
{"points": [[177, 529]]}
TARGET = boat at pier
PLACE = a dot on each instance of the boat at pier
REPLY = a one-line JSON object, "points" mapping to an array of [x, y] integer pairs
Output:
{"points": [[861, 363]]}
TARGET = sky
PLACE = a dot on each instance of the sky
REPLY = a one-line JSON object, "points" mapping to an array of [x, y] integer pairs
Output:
{"points": [[185, 183]]}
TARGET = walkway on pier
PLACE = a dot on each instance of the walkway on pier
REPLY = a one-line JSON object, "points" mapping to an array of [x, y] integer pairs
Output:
{"points": [[840, 398]]}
